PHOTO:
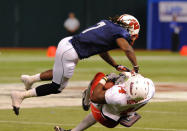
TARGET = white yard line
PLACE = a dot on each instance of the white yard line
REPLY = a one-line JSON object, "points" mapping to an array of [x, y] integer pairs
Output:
{"points": [[71, 96], [97, 126]]}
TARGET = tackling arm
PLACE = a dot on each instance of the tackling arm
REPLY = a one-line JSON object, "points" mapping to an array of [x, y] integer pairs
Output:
{"points": [[124, 45], [105, 56]]}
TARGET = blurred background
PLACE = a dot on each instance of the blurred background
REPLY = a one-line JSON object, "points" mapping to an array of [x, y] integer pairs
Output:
{"points": [[41, 23]]}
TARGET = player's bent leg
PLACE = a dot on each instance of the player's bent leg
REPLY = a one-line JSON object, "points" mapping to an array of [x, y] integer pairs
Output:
{"points": [[87, 122], [46, 75], [18, 97], [30, 80], [26, 81], [42, 90], [47, 89]]}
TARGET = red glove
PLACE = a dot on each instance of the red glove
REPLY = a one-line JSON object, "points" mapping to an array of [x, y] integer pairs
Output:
{"points": [[122, 68]]}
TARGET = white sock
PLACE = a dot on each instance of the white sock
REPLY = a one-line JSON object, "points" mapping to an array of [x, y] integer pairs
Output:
{"points": [[88, 121], [29, 93], [35, 78]]}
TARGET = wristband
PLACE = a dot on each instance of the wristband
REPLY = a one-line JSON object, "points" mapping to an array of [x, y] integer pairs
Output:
{"points": [[136, 66], [103, 81], [116, 66]]}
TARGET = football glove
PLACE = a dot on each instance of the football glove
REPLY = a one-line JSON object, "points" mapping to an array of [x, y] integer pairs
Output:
{"points": [[122, 68], [135, 69]]}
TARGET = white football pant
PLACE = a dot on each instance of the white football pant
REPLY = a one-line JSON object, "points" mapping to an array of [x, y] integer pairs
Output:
{"points": [[65, 61]]}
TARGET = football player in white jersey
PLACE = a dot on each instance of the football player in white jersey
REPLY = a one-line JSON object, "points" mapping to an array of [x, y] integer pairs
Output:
{"points": [[118, 104]]}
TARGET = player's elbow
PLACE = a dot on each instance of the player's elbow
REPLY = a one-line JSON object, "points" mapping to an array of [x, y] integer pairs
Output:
{"points": [[100, 99]]}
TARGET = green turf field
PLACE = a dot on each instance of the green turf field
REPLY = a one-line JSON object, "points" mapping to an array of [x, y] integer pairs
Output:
{"points": [[158, 65], [165, 116]]}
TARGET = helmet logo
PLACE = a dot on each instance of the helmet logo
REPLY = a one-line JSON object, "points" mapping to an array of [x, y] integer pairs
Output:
{"points": [[135, 24], [122, 90]]}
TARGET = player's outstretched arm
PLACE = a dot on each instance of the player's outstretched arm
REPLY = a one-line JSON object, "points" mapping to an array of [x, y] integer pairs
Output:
{"points": [[106, 57], [125, 46]]}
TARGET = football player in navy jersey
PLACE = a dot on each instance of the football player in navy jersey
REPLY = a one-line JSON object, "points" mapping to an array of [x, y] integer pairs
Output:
{"points": [[117, 32]]}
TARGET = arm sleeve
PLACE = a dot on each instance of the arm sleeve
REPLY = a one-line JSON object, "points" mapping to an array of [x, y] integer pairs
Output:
{"points": [[114, 97]]}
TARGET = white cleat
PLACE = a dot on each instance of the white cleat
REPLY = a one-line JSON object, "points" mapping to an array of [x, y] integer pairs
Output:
{"points": [[27, 81], [17, 99]]}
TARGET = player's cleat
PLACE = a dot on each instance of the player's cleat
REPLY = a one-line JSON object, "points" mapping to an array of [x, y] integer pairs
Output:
{"points": [[17, 98], [86, 98], [58, 128], [27, 81], [16, 110]]}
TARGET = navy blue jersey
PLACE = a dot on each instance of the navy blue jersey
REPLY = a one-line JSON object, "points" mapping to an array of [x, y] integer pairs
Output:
{"points": [[98, 38]]}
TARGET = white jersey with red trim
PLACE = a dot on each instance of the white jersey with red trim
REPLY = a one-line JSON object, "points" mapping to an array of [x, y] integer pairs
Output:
{"points": [[118, 102]]}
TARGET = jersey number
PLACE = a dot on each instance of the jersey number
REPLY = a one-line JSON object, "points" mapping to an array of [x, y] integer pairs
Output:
{"points": [[100, 24]]}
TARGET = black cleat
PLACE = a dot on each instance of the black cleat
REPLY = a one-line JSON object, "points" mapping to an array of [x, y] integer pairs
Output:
{"points": [[16, 110]]}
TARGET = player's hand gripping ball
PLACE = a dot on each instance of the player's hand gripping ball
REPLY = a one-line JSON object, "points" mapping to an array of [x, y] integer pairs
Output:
{"points": [[108, 85]]}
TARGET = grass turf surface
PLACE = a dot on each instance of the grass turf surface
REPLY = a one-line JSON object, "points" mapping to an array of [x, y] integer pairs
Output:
{"points": [[160, 66], [165, 116]]}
